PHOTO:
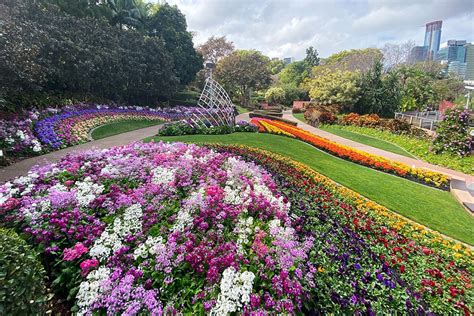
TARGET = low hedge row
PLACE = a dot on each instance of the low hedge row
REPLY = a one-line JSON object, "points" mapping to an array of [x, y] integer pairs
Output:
{"points": [[22, 286]]}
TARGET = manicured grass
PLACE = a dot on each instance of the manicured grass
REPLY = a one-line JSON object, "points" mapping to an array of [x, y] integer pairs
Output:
{"points": [[241, 109], [299, 116], [121, 127], [360, 138], [366, 140], [431, 207]]}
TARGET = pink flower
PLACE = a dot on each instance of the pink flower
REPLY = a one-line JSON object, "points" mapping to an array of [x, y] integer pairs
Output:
{"points": [[88, 264], [70, 254]]}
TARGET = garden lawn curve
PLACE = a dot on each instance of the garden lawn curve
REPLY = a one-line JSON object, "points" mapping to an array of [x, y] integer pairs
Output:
{"points": [[431, 207], [367, 140], [121, 127]]}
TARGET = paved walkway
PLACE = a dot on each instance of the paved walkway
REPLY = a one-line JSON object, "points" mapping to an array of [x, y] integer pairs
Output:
{"points": [[458, 184], [22, 167]]}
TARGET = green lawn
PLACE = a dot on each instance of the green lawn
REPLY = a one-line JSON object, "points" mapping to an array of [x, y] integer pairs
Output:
{"points": [[299, 116], [121, 127], [363, 139], [241, 109], [367, 140], [434, 208]]}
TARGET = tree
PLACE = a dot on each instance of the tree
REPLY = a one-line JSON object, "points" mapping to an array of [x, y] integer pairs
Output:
{"points": [[397, 54], [353, 60], [379, 93], [448, 89], [244, 71], [216, 48], [416, 89], [169, 24], [294, 73], [339, 87], [311, 58], [79, 57], [275, 95], [276, 65]]}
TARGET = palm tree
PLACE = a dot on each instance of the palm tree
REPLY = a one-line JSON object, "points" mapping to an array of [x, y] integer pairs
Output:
{"points": [[128, 12]]}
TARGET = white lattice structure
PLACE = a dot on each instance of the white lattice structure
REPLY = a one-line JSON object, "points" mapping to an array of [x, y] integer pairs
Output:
{"points": [[215, 106]]}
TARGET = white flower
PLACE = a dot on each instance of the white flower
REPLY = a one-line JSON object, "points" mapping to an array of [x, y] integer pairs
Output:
{"points": [[111, 239], [163, 175], [20, 134], [87, 191], [1, 153], [90, 290], [183, 219], [36, 146], [148, 247], [236, 288]]}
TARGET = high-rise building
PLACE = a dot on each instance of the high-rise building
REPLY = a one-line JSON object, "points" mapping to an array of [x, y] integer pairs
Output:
{"points": [[417, 54], [469, 62], [452, 50], [288, 60], [433, 38], [453, 55]]}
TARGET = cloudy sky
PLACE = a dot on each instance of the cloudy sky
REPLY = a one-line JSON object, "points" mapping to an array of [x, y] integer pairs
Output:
{"points": [[285, 28]]}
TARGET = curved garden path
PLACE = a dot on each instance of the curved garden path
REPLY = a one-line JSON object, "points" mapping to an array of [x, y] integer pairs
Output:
{"points": [[22, 167], [458, 184]]}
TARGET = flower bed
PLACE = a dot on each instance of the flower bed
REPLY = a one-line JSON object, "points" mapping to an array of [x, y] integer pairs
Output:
{"points": [[171, 228], [71, 127], [17, 138], [34, 133], [420, 175]]}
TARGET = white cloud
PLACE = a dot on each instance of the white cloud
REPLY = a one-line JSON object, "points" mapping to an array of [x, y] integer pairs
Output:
{"points": [[286, 28]]}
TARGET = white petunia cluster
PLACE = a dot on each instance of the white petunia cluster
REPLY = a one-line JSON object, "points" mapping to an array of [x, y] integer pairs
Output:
{"points": [[243, 229], [148, 247], [90, 289], [36, 146], [111, 239], [87, 191], [183, 219], [236, 288], [163, 175]]}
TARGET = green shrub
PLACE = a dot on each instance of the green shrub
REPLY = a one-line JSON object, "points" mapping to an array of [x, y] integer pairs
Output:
{"points": [[453, 134], [22, 288], [184, 128]]}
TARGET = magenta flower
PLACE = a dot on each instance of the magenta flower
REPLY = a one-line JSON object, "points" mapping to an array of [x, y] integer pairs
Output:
{"points": [[70, 254]]}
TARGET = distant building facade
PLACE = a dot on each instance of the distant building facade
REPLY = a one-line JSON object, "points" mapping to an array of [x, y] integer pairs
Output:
{"points": [[469, 62], [433, 38], [453, 55], [288, 60], [418, 53]]}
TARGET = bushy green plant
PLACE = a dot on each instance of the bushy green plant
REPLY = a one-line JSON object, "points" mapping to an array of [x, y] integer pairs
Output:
{"points": [[453, 133], [22, 288], [275, 95], [184, 128]]}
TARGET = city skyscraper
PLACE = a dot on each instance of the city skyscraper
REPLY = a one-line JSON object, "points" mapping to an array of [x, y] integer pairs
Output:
{"points": [[453, 54], [469, 62], [433, 38]]}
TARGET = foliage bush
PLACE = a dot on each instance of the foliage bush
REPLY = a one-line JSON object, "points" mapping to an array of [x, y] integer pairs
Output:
{"points": [[22, 287], [321, 114], [275, 95], [185, 128], [85, 58], [453, 134]]}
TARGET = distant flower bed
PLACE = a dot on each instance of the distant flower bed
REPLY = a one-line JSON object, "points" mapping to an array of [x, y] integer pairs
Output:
{"points": [[187, 128], [179, 229], [427, 177], [40, 132]]}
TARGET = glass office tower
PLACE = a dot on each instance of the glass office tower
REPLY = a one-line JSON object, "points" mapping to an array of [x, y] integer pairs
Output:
{"points": [[433, 38]]}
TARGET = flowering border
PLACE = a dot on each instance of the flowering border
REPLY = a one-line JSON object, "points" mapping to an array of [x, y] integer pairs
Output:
{"points": [[430, 178]]}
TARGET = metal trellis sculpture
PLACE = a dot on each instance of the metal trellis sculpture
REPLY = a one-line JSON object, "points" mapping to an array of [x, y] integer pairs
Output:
{"points": [[214, 107]]}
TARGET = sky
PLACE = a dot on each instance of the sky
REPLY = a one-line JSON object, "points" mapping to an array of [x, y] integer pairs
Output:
{"points": [[280, 28]]}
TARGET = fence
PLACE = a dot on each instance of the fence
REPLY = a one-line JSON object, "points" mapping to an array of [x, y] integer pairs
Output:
{"points": [[428, 119]]}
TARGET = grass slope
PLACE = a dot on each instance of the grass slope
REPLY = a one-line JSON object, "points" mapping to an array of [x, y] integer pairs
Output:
{"points": [[367, 140], [360, 138], [121, 127], [433, 208]]}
